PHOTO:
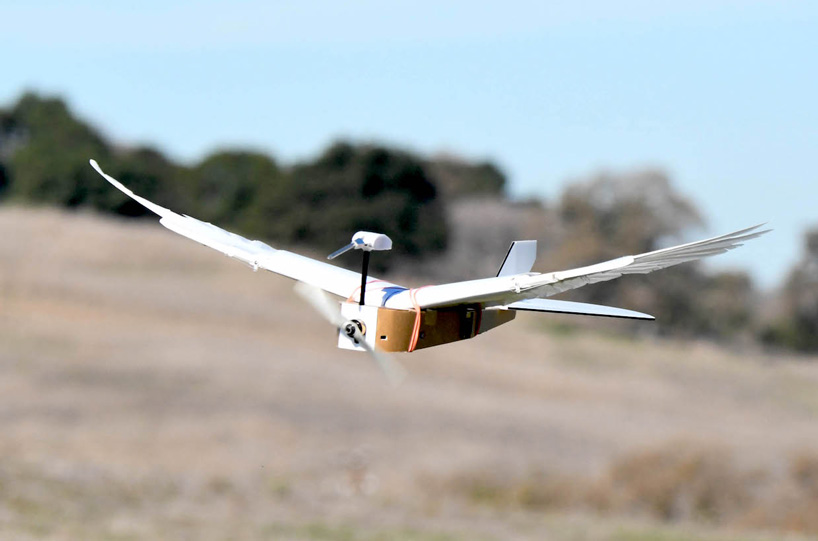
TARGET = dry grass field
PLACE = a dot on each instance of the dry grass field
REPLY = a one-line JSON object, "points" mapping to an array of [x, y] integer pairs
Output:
{"points": [[151, 388]]}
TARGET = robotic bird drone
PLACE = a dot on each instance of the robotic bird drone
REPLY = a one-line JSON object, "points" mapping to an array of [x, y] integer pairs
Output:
{"points": [[395, 318]]}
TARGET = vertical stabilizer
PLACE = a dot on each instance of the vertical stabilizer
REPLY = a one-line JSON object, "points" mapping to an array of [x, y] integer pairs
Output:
{"points": [[520, 258]]}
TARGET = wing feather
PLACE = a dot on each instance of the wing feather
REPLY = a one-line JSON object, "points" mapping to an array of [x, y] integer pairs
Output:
{"points": [[254, 253], [498, 291], [506, 290], [549, 284]]}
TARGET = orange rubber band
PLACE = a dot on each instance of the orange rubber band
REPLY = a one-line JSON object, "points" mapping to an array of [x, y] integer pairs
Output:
{"points": [[351, 297], [416, 329]]}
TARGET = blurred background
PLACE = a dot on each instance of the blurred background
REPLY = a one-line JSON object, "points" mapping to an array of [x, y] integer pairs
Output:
{"points": [[153, 389]]}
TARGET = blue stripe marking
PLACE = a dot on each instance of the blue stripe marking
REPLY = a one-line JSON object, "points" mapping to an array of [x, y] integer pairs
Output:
{"points": [[389, 292]]}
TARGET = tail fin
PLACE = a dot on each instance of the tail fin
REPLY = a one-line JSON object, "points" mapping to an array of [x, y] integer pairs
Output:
{"points": [[520, 258]]}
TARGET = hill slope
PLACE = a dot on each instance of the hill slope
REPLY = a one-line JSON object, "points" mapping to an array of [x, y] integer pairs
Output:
{"points": [[151, 386]]}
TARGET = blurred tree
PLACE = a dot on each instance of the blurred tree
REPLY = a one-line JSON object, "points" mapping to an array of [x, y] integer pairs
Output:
{"points": [[3, 179], [727, 303], [796, 326], [481, 229], [690, 302], [351, 188], [456, 177], [148, 173], [44, 152], [608, 216], [226, 184], [48, 158], [10, 138], [627, 213]]}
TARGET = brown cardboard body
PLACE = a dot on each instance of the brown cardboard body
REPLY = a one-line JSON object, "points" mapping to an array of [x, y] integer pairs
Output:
{"points": [[394, 329]]}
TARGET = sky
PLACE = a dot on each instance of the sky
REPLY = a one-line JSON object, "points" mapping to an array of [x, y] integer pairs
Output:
{"points": [[720, 94]]}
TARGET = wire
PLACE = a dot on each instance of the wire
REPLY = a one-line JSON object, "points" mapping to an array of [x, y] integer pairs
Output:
{"points": [[413, 342], [351, 297]]}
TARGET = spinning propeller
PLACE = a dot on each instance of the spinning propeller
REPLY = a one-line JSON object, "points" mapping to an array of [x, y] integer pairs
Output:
{"points": [[354, 329], [365, 241]]}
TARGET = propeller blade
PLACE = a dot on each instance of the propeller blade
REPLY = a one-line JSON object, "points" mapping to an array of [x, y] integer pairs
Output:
{"points": [[394, 371], [321, 302]]}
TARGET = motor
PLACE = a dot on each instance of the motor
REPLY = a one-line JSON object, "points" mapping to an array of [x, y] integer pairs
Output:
{"points": [[354, 327]]}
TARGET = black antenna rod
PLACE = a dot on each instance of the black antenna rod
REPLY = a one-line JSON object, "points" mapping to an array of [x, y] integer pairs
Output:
{"points": [[364, 271]]}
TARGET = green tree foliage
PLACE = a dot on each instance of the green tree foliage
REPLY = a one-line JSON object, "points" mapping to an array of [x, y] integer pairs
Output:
{"points": [[3, 179], [48, 158], [350, 188], [225, 186], [796, 327], [44, 152], [148, 173], [8, 135]]}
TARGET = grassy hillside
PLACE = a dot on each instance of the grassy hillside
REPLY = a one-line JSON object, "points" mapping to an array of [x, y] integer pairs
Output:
{"points": [[152, 388]]}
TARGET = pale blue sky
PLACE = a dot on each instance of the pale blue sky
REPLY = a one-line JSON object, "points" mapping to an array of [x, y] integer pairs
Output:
{"points": [[719, 93]]}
